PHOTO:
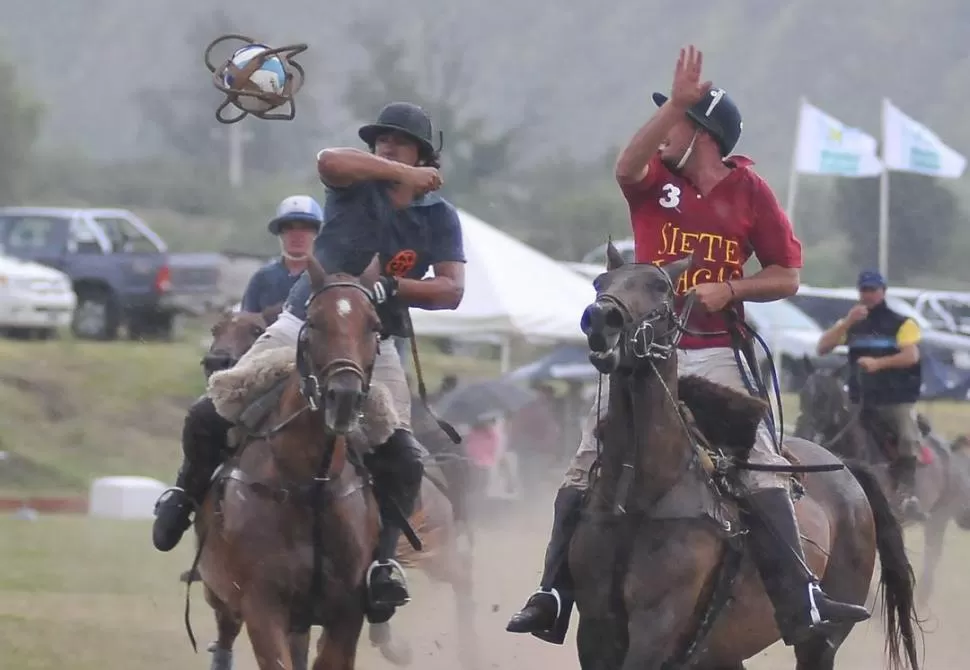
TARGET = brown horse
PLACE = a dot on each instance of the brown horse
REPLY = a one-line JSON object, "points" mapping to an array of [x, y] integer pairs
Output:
{"points": [[289, 527], [942, 479], [444, 557], [233, 334], [662, 576]]}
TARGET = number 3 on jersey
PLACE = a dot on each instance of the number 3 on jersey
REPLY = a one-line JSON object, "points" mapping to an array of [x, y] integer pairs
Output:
{"points": [[671, 196]]}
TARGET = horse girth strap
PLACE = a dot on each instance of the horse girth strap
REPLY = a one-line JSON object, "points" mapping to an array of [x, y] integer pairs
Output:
{"points": [[448, 429]]}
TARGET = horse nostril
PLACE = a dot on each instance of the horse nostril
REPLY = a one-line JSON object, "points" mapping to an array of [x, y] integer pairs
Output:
{"points": [[613, 319]]}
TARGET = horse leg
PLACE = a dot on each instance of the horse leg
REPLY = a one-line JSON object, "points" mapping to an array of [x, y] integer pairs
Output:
{"points": [[819, 653], [933, 531], [337, 647], [300, 650], [228, 626], [267, 623]]}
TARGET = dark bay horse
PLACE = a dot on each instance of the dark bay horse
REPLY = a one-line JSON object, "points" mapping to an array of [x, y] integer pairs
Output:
{"points": [[662, 576], [942, 480], [443, 557]]}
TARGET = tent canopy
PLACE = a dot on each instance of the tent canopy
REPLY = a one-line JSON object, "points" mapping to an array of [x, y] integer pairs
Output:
{"points": [[511, 290]]}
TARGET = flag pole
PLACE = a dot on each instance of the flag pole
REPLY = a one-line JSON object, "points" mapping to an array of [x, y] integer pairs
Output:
{"points": [[793, 174], [884, 201]]}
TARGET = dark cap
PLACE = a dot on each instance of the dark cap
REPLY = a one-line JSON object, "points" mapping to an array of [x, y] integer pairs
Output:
{"points": [[870, 279]]}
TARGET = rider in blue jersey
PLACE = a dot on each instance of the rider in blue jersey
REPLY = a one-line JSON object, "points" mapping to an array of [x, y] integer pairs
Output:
{"points": [[378, 201]]}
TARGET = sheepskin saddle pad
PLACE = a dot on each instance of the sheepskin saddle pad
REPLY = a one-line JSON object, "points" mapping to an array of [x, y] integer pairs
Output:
{"points": [[247, 394]]}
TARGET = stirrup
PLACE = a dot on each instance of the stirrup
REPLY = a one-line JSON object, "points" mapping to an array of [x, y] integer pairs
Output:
{"points": [[395, 567], [815, 615]]}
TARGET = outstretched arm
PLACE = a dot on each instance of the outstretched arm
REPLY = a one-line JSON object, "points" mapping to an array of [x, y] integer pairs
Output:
{"points": [[343, 167]]}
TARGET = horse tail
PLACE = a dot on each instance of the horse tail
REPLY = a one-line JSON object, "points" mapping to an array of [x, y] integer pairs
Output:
{"points": [[897, 580]]}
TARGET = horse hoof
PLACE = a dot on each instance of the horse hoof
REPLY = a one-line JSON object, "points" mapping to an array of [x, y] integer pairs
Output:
{"points": [[380, 634], [397, 652], [221, 659]]}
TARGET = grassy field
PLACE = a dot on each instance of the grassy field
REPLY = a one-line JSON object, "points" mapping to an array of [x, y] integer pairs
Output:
{"points": [[71, 411]]}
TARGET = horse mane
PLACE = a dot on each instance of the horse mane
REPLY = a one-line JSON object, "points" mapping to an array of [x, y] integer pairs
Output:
{"points": [[727, 417]]}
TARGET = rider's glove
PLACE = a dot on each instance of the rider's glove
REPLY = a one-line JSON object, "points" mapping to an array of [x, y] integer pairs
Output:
{"points": [[385, 288]]}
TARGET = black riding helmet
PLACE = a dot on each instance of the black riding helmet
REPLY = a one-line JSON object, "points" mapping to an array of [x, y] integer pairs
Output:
{"points": [[717, 114], [402, 117]]}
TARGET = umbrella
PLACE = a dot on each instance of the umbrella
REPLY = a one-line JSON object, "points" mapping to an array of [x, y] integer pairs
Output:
{"points": [[568, 362], [476, 402]]}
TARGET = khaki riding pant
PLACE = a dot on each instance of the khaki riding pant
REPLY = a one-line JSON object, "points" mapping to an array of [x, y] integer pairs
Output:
{"points": [[716, 364], [901, 419], [388, 369]]}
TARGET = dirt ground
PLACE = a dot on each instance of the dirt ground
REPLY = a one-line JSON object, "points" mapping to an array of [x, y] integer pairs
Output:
{"points": [[508, 562], [91, 594]]}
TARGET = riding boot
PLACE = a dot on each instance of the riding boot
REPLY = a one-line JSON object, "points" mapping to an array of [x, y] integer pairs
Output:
{"points": [[546, 613], [799, 602], [204, 441], [397, 471], [904, 474]]}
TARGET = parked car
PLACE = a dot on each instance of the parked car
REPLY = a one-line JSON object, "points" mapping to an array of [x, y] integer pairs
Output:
{"points": [[946, 310], [828, 305], [121, 270], [792, 336], [35, 300]]}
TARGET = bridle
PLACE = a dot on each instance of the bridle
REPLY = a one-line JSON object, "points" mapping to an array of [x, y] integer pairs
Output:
{"points": [[312, 380], [641, 337]]}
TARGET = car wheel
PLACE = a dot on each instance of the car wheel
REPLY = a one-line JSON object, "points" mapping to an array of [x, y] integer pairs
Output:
{"points": [[96, 315]]}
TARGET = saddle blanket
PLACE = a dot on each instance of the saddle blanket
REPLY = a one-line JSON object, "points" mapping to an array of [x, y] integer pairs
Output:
{"points": [[232, 391]]}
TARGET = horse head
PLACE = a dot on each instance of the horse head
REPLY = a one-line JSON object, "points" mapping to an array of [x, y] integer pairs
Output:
{"points": [[633, 317], [232, 336], [823, 405], [339, 342]]}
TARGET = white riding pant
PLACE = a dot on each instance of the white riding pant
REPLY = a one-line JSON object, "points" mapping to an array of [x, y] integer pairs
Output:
{"points": [[718, 365], [388, 369]]}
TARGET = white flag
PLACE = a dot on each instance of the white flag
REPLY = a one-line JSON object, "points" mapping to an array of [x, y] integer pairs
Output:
{"points": [[828, 146], [909, 146]]}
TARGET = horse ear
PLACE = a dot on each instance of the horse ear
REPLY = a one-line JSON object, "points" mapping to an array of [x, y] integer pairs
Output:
{"points": [[677, 268], [373, 271], [318, 276], [613, 257]]}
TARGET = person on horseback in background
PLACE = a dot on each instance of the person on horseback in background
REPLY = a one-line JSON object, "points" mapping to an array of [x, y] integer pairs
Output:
{"points": [[382, 202], [687, 193], [297, 221], [883, 346]]}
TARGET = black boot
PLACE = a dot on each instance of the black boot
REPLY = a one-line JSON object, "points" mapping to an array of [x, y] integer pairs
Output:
{"points": [[546, 613], [204, 441], [799, 602], [397, 471], [904, 475]]}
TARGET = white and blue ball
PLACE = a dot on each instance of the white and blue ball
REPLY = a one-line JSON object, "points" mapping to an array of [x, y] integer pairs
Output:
{"points": [[269, 78]]}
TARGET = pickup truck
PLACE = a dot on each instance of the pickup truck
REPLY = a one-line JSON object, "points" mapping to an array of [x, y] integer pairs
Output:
{"points": [[121, 270]]}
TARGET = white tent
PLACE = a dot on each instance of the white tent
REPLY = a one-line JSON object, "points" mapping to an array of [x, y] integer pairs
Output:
{"points": [[511, 290]]}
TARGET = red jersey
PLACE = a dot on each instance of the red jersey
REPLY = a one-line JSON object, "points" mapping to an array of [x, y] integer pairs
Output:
{"points": [[740, 216]]}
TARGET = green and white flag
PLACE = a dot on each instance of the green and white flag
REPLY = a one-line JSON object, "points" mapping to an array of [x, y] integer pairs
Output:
{"points": [[825, 145], [909, 146]]}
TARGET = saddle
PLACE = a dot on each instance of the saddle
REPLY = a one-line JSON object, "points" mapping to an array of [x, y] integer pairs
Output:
{"points": [[724, 424], [246, 395]]}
